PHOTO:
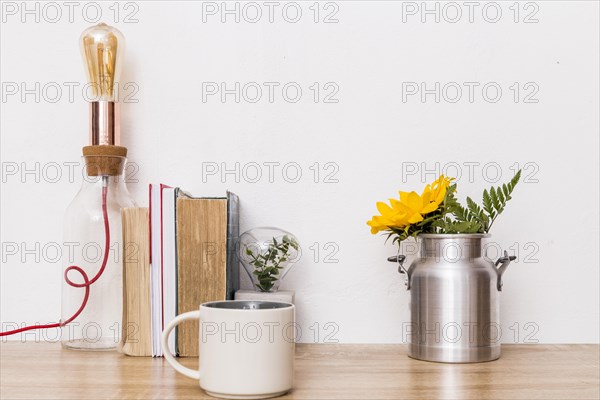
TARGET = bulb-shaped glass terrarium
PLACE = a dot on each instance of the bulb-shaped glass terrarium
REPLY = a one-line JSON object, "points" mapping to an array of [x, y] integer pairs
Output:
{"points": [[268, 254]]}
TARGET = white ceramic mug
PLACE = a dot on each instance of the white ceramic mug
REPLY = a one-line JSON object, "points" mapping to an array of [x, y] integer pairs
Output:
{"points": [[246, 348]]}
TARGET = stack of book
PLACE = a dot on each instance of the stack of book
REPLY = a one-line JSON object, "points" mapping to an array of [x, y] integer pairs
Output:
{"points": [[178, 254]]}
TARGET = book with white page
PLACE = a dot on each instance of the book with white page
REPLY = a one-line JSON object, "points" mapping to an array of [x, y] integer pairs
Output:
{"points": [[163, 263], [155, 269]]}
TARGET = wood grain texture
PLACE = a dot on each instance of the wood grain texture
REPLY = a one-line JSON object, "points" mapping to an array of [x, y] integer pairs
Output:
{"points": [[45, 371], [201, 262], [136, 339]]}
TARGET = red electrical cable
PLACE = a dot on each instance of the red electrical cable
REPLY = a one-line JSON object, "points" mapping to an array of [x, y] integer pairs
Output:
{"points": [[86, 282]]}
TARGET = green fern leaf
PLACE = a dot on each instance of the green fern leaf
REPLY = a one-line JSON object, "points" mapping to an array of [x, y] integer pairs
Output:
{"points": [[487, 203], [495, 200], [500, 196]]}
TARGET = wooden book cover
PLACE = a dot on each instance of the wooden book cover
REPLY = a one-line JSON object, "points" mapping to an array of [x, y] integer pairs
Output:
{"points": [[201, 261], [136, 336]]}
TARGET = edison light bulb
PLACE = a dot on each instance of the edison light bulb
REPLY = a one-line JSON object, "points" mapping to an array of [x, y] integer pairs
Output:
{"points": [[102, 48]]}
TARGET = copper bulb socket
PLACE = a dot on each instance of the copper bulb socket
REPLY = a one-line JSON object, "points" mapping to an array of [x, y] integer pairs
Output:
{"points": [[104, 123]]}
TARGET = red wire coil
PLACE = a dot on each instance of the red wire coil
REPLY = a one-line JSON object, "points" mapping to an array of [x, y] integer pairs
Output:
{"points": [[86, 281]]}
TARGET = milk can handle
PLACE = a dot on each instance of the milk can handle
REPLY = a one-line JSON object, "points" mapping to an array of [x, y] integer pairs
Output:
{"points": [[400, 260], [505, 260]]}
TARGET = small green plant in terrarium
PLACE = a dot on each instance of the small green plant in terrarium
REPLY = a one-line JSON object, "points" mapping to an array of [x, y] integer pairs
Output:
{"points": [[268, 264], [267, 255]]}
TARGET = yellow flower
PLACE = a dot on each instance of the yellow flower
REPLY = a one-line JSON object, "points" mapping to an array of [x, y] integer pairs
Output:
{"points": [[410, 208], [390, 216], [438, 188]]}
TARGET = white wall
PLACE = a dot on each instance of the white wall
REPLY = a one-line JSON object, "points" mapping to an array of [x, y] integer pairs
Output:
{"points": [[371, 138]]}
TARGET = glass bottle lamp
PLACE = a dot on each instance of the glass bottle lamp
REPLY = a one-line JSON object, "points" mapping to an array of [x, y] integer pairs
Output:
{"points": [[92, 297]]}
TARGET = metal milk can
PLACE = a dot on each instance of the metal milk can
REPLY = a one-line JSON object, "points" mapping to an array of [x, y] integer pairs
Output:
{"points": [[454, 299]]}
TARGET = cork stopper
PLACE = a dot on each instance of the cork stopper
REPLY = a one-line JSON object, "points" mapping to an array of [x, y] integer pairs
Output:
{"points": [[104, 160]]}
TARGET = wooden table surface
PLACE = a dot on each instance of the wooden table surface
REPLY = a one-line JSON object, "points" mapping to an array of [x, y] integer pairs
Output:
{"points": [[44, 370]]}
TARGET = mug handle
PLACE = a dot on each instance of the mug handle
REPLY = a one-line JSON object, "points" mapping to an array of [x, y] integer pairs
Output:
{"points": [[192, 373]]}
